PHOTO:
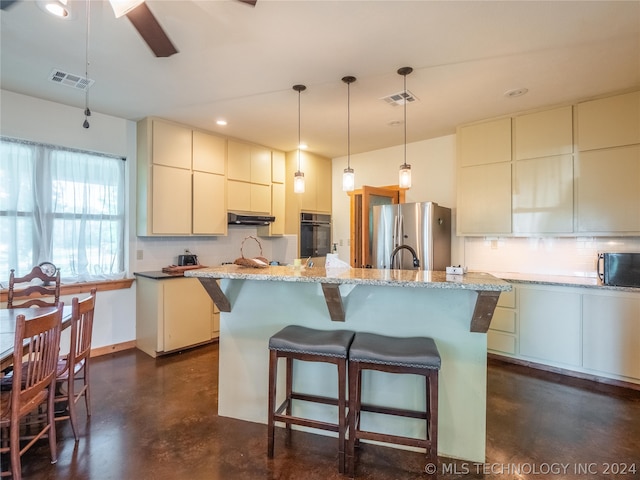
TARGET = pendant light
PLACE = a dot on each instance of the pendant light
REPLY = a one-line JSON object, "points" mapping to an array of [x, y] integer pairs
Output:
{"points": [[298, 178], [348, 177], [404, 180], [87, 112]]}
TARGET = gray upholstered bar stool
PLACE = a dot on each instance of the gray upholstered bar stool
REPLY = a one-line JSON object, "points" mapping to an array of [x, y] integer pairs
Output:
{"points": [[411, 355], [306, 344]]}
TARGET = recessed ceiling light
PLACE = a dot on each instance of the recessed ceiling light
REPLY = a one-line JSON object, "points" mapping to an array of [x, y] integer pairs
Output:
{"points": [[222, 123], [516, 92]]}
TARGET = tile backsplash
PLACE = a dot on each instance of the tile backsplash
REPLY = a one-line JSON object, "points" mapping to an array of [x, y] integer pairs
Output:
{"points": [[574, 256], [158, 252]]}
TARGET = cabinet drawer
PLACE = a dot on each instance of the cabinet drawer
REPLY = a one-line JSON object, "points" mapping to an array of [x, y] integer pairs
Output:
{"points": [[501, 342], [504, 319], [507, 299]]}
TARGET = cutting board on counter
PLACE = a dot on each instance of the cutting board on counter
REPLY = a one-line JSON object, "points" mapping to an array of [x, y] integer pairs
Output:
{"points": [[177, 269]]}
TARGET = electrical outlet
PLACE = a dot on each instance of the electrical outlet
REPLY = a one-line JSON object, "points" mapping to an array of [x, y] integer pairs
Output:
{"points": [[139, 254]]}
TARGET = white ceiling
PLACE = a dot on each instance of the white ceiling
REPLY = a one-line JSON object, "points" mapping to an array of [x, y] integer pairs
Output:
{"points": [[239, 63]]}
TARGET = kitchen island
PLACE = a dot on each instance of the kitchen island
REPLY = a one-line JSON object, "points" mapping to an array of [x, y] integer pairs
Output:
{"points": [[455, 310]]}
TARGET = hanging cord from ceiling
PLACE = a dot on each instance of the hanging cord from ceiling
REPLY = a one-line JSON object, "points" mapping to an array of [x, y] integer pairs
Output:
{"points": [[87, 112]]}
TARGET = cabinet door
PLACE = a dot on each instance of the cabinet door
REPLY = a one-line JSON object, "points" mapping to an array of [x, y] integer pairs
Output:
{"points": [[260, 165], [483, 143], [550, 322], [543, 134], [209, 204], [171, 200], [277, 167], [309, 199], [260, 198], [238, 161], [188, 314], [611, 334], [209, 153], [608, 190], [277, 208], [238, 196], [609, 122], [484, 199], [543, 195], [171, 145]]}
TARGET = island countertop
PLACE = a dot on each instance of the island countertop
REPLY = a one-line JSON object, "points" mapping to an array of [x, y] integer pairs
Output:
{"points": [[357, 276]]}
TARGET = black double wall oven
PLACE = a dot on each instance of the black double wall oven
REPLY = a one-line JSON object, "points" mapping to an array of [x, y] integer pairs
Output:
{"points": [[315, 235]]}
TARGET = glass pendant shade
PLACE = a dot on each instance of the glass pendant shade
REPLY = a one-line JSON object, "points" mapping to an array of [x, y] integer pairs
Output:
{"points": [[348, 180], [298, 182], [404, 179]]}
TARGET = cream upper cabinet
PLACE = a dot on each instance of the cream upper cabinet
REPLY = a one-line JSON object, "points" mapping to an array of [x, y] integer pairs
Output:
{"points": [[238, 161], [260, 198], [260, 165], [277, 167], [248, 197], [484, 178], [608, 190], [543, 195], [609, 122], [171, 201], [171, 144], [209, 204], [543, 134], [209, 153], [482, 143], [484, 199], [176, 195], [277, 210]]}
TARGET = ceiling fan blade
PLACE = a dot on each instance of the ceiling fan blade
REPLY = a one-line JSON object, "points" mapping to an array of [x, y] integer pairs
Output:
{"points": [[151, 31], [249, 2], [6, 3]]}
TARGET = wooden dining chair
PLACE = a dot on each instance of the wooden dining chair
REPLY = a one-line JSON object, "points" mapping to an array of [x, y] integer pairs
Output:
{"points": [[34, 370], [50, 287], [75, 365]]}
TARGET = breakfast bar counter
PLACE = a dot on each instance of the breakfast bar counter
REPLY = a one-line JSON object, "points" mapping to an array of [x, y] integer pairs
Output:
{"points": [[455, 310]]}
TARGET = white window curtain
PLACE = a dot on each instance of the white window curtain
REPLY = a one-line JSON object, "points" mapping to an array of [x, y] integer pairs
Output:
{"points": [[63, 206]]}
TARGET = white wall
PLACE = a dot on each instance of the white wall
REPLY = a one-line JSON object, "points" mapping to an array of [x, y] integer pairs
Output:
{"points": [[38, 120], [434, 179]]}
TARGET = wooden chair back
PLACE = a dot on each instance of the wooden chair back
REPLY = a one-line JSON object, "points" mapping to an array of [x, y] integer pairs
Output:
{"points": [[50, 287], [75, 365], [35, 360]]}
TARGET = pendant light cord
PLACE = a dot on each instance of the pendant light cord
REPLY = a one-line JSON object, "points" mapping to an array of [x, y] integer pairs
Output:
{"points": [[87, 112], [348, 124], [405, 119], [299, 91]]}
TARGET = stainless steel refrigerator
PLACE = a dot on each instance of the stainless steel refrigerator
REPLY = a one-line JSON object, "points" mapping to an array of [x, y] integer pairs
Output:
{"points": [[421, 230]]}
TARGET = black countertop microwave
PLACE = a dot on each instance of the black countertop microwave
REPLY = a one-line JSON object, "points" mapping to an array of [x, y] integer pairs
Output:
{"points": [[620, 269]]}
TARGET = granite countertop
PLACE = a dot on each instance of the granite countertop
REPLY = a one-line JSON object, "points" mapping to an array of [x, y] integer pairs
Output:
{"points": [[357, 276], [158, 275], [561, 281]]}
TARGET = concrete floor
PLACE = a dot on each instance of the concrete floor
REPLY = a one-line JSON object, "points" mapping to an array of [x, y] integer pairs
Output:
{"points": [[156, 419]]}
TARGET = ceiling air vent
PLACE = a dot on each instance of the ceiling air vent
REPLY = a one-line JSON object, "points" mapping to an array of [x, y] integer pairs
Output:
{"points": [[70, 79], [399, 98]]}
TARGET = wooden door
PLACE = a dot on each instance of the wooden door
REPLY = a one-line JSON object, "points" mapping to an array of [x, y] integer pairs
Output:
{"points": [[361, 218]]}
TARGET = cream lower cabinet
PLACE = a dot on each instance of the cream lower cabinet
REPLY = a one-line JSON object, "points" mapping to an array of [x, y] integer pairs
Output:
{"points": [[611, 333], [585, 330], [172, 314]]}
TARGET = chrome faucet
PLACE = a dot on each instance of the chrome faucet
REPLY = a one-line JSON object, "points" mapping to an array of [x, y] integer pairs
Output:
{"points": [[416, 262]]}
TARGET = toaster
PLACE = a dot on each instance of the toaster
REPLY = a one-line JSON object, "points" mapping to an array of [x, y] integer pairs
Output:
{"points": [[187, 259]]}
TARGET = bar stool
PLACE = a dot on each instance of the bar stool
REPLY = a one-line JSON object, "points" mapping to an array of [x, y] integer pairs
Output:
{"points": [[300, 343], [412, 355]]}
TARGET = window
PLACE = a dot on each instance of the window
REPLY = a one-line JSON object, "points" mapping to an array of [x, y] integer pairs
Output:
{"points": [[63, 206]]}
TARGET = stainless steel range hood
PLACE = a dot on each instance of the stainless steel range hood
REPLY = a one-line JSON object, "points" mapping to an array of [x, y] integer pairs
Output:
{"points": [[249, 219]]}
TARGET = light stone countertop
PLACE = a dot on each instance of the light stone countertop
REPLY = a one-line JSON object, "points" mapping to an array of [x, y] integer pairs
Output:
{"points": [[357, 276], [561, 281]]}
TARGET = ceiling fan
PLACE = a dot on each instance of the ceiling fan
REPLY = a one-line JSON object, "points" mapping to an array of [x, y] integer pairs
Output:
{"points": [[148, 27], [140, 15]]}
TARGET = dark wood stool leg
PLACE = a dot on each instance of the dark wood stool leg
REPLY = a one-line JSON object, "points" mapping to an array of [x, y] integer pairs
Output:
{"points": [[273, 374], [289, 391], [432, 379], [342, 409], [353, 416]]}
